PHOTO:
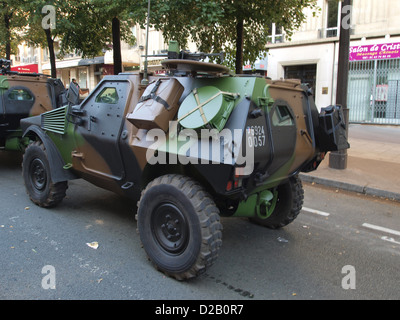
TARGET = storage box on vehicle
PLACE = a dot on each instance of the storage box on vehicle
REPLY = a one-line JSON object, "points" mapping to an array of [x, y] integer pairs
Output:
{"points": [[158, 105]]}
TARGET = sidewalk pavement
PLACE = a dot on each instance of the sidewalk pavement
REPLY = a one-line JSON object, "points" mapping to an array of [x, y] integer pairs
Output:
{"points": [[373, 164]]}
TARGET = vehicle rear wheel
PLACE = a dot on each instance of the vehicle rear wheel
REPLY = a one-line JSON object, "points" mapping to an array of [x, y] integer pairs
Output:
{"points": [[179, 226], [37, 176], [288, 205]]}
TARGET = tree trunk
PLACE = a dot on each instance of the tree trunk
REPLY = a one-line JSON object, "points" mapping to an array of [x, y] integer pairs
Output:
{"points": [[116, 36], [8, 35], [50, 45], [239, 47]]}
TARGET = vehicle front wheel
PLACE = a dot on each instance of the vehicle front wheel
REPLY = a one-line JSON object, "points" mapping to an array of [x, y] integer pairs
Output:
{"points": [[179, 226], [37, 176]]}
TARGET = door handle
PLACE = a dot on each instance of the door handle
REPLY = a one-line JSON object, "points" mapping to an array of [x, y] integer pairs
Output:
{"points": [[305, 133]]}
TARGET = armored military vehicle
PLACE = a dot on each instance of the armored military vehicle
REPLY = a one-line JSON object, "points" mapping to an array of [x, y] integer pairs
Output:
{"points": [[190, 146], [23, 95]]}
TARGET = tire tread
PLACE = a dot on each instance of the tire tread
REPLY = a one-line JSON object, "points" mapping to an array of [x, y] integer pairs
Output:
{"points": [[208, 214]]}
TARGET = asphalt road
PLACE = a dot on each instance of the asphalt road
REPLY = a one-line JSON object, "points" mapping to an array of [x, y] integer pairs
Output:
{"points": [[340, 251]]}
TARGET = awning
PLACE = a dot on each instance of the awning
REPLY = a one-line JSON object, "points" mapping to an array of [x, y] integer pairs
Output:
{"points": [[62, 64], [95, 60], [74, 63]]}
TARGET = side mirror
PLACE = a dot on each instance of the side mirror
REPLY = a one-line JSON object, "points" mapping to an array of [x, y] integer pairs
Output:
{"points": [[75, 115], [73, 94], [77, 111]]}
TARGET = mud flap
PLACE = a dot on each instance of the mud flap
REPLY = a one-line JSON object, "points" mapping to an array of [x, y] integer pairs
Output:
{"points": [[332, 133], [259, 205]]}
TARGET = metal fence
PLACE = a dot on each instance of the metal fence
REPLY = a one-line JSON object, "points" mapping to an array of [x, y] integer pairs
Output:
{"points": [[374, 91]]}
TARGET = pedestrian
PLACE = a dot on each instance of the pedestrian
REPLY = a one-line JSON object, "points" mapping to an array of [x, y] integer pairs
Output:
{"points": [[81, 91]]}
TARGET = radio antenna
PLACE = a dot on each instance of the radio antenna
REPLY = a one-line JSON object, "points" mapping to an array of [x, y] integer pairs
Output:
{"points": [[145, 80]]}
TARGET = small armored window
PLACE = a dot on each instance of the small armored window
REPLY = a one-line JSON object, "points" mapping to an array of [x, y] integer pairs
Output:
{"points": [[20, 95], [282, 116], [108, 95]]}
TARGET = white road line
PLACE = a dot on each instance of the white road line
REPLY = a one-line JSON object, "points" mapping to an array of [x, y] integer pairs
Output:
{"points": [[390, 240], [374, 227], [321, 213]]}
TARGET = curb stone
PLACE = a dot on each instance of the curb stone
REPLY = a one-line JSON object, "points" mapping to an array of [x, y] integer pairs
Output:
{"points": [[351, 187]]}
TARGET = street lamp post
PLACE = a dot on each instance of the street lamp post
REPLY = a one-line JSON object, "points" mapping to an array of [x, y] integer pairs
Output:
{"points": [[338, 159]]}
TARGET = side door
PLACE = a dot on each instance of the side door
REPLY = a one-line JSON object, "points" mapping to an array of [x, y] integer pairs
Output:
{"points": [[283, 131], [97, 150]]}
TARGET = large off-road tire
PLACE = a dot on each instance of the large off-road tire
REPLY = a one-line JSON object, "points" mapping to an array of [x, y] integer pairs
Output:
{"points": [[179, 226], [37, 176], [288, 206]]}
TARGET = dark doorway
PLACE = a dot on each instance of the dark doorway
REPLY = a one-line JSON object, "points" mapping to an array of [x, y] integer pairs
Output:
{"points": [[306, 73]]}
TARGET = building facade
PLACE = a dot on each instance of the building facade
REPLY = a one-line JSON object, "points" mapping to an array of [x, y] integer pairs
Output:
{"points": [[374, 66]]}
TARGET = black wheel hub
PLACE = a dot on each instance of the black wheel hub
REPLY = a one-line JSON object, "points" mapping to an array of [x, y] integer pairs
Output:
{"points": [[169, 228], [38, 175]]}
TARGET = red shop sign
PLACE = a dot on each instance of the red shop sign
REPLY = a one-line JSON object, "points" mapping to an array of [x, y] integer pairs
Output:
{"points": [[29, 68]]}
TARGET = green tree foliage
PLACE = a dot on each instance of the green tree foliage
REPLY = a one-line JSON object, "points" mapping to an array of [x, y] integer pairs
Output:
{"points": [[114, 15], [12, 21], [85, 31], [86, 27], [239, 28], [40, 32]]}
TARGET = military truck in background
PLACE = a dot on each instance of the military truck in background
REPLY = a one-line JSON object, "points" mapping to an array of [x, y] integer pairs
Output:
{"points": [[191, 146], [23, 95]]}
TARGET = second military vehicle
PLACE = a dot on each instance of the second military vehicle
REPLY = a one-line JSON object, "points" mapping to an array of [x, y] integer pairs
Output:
{"points": [[191, 146], [23, 95]]}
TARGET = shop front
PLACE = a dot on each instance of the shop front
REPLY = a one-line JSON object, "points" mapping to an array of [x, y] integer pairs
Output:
{"points": [[374, 83], [87, 72]]}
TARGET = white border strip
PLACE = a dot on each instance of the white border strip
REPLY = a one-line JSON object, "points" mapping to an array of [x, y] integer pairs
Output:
{"points": [[374, 227], [321, 213], [390, 240]]}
